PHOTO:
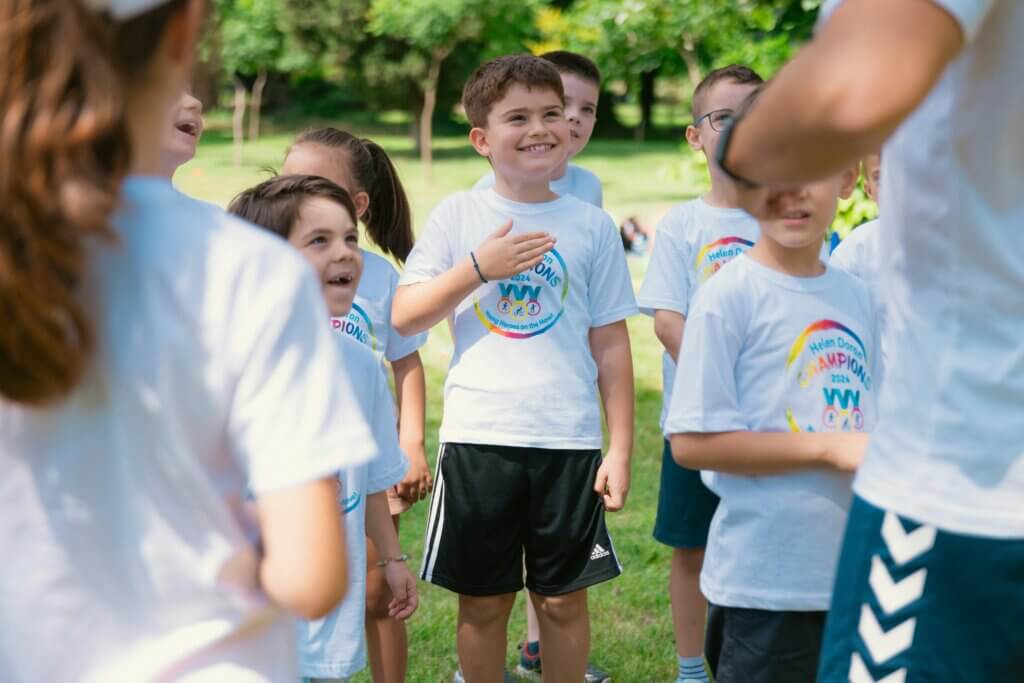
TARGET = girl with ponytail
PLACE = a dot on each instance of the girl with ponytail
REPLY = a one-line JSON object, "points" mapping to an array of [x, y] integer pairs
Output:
{"points": [[158, 360], [362, 168]]}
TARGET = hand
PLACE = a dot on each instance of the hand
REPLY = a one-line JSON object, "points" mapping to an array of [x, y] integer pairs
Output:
{"points": [[612, 482], [845, 450], [402, 583], [503, 255], [418, 483], [762, 202]]}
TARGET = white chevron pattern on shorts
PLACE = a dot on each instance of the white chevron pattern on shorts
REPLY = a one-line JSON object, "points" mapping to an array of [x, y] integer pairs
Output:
{"points": [[883, 645], [891, 595], [903, 546], [859, 673]]}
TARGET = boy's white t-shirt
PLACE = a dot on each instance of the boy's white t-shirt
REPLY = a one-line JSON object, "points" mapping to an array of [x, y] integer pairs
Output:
{"points": [[694, 240], [576, 182], [129, 550], [949, 450], [860, 254], [335, 646], [369, 321], [522, 373], [766, 352]]}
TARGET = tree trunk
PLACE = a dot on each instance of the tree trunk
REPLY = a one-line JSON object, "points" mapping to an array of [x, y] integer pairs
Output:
{"points": [[647, 96], [237, 129], [427, 115], [689, 57], [256, 104]]}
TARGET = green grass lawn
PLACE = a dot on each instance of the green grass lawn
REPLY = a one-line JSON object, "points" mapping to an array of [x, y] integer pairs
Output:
{"points": [[631, 625]]}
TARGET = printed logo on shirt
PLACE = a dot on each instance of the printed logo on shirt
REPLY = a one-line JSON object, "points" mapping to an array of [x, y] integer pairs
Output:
{"points": [[527, 304], [829, 359], [714, 255], [357, 325], [598, 552], [351, 502]]}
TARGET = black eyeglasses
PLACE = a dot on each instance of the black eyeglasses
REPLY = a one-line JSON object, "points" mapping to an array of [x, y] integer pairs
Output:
{"points": [[717, 119]]}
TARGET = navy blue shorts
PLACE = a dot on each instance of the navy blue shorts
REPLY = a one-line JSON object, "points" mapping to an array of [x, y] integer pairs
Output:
{"points": [[916, 604], [759, 646], [685, 505]]}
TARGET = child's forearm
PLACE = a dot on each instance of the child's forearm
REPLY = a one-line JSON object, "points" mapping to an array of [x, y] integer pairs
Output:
{"points": [[419, 307], [668, 328], [411, 387], [610, 347], [756, 453], [379, 527]]}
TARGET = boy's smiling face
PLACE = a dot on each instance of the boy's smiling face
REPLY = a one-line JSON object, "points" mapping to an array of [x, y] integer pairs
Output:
{"points": [[527, 134], [329, 239], [580, 110]]}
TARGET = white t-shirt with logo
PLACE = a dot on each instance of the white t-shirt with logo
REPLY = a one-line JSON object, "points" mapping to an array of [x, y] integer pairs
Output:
{"points": [[694, 240], [860, 254], [949, 450], [129, 552], [335, 646], [577, 182], [369, 321], [522, 373], [766, 352]]}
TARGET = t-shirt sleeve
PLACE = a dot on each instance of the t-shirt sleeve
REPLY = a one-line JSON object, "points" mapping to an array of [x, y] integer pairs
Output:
{"points": [[598, 193], [845, 257], [610, 289], [432, 254], [294, 415], [704, 398], [970, 14], [388, 469], [399, 347], [667, 283]]}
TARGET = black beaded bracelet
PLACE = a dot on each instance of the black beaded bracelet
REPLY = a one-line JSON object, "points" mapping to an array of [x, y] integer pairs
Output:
{"points": [[476, 267]]}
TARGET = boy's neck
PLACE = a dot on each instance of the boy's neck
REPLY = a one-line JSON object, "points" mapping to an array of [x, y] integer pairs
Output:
{"points": [[560, 171], [723, 193], [527, 192], [795, 262]]}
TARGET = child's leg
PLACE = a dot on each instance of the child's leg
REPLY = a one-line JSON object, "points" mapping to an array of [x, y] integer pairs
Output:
{"points": [[532, 625], [685, 510], [565, 631], [386, 640], [481, 639]]}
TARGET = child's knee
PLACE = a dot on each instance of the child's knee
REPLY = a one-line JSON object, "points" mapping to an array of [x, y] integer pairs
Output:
{"points": [[378, 595], [485, 609], [562, 609]]}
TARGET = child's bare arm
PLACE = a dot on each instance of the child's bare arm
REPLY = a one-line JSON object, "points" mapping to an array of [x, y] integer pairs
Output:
{"points": [[754, 453], [609, 345], [668, 328], [381, 531], [419, 307], [411, 387], [304, 566]]}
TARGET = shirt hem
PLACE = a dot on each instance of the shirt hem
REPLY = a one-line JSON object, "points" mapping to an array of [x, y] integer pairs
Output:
{"points": [[614, 316], [517, 441], [816, 602], [390, 478], [336, 670], [292, 475], [649, 306], [975, 521]]}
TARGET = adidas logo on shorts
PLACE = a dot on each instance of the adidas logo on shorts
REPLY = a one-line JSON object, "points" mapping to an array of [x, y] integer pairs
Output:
{"points": [[598, 552]]}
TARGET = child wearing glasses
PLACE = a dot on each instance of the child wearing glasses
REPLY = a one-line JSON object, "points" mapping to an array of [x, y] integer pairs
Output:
{"points": [[694, 240]]}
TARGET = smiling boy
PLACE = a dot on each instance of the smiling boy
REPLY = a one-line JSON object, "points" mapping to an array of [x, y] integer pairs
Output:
{"points": [[539, 309]]}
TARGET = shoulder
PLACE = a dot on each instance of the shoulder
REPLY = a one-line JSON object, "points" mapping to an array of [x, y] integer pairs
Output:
{"points": [[378, 268], [582, 176], [485, 182], [734, 282], [679, 219], [361, 363]]}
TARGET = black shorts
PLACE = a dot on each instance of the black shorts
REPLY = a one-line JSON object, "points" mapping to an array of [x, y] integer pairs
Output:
{"points": [[759, 646], [493, 504]]}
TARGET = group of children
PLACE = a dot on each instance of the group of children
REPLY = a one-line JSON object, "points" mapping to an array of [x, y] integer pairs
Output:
{"points": [[764, 422]]}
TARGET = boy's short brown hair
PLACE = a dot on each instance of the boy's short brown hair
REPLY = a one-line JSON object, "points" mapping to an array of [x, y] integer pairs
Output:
{"points": [[574, 63], [491, 81], [275, 204], [734, 72]]}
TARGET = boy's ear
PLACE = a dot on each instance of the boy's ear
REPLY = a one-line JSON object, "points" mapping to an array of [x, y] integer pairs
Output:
{"points": [[693, 139], [850, 176], [478, 137]]}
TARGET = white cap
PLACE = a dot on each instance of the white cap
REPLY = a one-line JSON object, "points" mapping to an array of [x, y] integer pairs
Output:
{"points": [[123, 9]]}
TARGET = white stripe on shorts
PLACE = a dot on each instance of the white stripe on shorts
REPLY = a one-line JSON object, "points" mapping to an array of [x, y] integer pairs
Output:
{"points": [[435, 521]]}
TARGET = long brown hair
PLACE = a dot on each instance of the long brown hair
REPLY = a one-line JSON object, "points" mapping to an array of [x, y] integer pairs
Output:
{"points": [[388, 219], [64, 150]]}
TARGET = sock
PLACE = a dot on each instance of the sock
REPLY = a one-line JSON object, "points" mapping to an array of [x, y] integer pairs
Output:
{"points": [[533, 648], [692, 669]]}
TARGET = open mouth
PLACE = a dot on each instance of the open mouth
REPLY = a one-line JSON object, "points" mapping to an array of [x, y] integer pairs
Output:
{"points": [[188, 128], [573, 134], [796, 215], [543, 147], [340, 281]]}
